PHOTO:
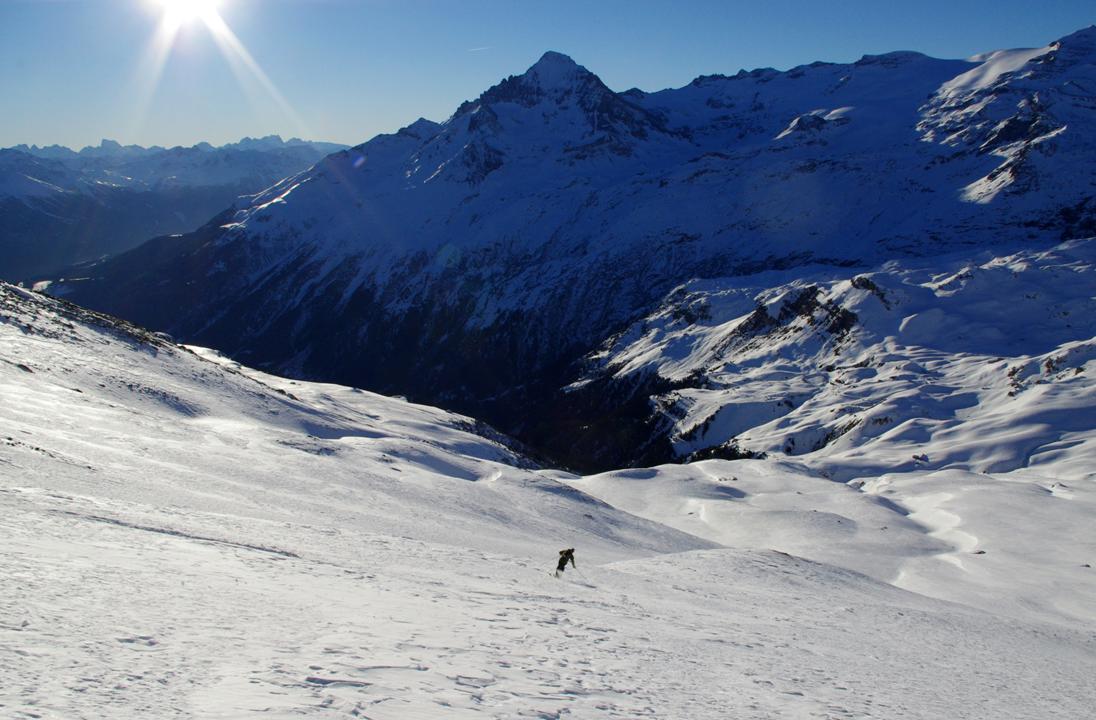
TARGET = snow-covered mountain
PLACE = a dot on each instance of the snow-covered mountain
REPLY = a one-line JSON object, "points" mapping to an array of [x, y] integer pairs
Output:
{"points": [[476, 262], [188, 537], [59, 207], [990, 360]]}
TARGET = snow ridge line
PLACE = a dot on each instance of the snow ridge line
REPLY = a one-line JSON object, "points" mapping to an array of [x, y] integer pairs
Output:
{"points": [[176, 533]]}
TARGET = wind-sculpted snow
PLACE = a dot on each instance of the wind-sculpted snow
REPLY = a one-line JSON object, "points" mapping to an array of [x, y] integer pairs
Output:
{"points": [[474, 262], [187, 537]]}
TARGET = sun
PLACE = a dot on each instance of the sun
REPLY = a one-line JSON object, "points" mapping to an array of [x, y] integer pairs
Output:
{"points": [[175, 16], [182, 12]]}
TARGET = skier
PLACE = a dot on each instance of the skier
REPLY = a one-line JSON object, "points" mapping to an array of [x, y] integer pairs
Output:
{"points": [[564, 556]]}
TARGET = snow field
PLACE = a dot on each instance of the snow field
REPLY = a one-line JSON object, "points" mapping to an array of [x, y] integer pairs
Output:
{"points": [[112, 621], [186, 537]]}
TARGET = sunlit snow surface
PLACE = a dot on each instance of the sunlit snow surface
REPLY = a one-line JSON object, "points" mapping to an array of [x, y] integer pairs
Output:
{"points": [[956, 403], [184, 537]]}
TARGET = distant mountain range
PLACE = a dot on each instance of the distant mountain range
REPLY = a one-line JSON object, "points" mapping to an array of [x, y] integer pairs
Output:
{"points": [[113, 149], [488, 263], [59, 206]]}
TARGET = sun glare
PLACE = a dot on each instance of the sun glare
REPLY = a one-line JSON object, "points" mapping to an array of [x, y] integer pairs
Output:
{"points": [[182, 12], [177, 14]]}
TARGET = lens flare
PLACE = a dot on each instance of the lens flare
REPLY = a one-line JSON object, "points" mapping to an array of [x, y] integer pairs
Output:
{"points": [[177, 14]]}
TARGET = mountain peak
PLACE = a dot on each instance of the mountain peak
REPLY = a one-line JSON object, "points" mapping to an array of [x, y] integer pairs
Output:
{"points": [[553, 76], [1080, 45], [555, 70], [420, 128], [557, 80], [551, 58], [892, 59], [1087, 35]]}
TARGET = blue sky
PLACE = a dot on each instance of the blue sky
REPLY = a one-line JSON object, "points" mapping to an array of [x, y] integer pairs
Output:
{"points": [[74, 71]]}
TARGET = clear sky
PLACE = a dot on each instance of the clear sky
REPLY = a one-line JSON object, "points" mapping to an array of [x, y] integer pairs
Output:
{"points": [[75, 71]]}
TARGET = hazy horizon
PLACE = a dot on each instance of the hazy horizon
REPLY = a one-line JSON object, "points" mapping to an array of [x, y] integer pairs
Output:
{"points": [[168, 147]]}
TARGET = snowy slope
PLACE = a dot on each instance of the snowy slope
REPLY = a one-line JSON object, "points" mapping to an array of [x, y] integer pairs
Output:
{"points": [[472, 262], [953, 400], [172, 422], [1014, 544], [187, 537]]}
